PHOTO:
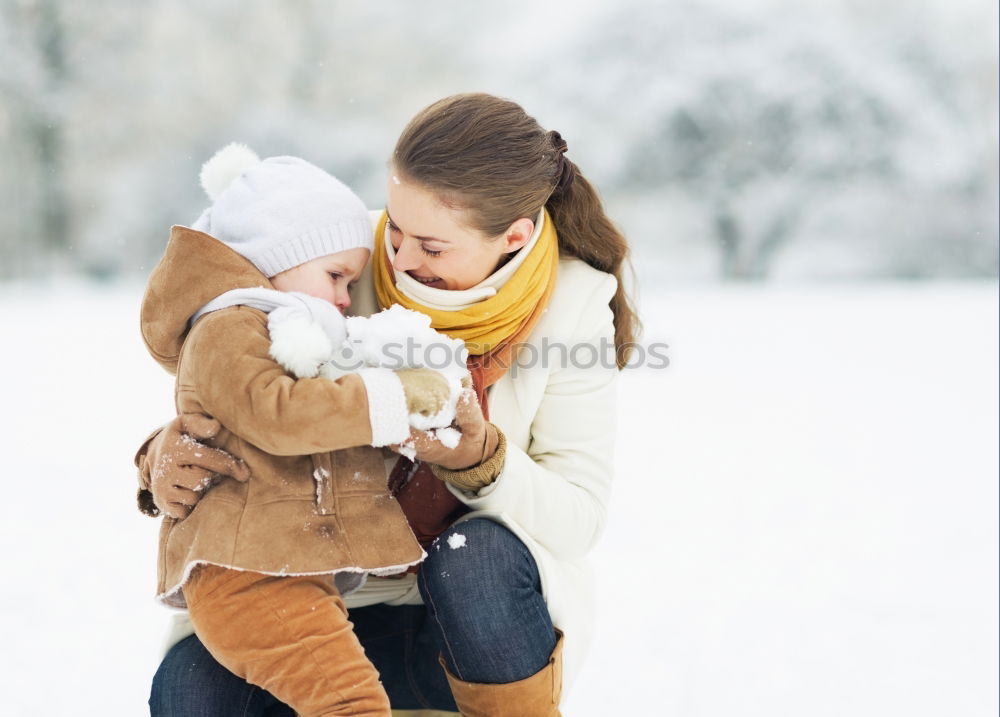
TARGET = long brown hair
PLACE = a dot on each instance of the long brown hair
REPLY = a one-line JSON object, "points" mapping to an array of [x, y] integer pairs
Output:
{"points": [[486, 155]]}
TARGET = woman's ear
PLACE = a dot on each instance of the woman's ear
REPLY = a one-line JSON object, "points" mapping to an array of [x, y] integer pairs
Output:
{"points": [[518, 234]]}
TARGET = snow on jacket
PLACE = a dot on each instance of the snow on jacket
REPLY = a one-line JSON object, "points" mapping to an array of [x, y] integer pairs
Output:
{"points": [[317, 501]]}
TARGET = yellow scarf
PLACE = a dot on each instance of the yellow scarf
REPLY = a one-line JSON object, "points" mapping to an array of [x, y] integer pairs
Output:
{"points": [[490, 323]]}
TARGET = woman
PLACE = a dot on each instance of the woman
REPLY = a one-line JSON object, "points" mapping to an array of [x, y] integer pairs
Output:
{"points": [[495, 234]]}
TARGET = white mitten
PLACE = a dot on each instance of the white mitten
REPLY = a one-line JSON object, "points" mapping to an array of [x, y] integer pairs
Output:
{"points": [[298, 342], [306, 334]]}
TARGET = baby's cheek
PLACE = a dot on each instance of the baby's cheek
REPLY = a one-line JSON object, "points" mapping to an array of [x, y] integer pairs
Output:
{"points": [[320, 292]]}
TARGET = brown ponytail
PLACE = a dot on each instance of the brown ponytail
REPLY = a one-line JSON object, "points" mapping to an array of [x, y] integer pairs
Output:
{"points": [[488, 156]]}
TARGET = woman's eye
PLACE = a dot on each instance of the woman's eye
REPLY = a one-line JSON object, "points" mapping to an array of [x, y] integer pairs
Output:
{"points": [[392, 227], [429, 252], [335, 276]]}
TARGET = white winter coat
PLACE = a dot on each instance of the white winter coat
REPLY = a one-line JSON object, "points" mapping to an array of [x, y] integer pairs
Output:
{"points": [[560, 422]]}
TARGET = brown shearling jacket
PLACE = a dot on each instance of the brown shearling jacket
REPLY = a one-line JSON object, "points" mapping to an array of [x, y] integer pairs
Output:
{"points": [[317, 501]]}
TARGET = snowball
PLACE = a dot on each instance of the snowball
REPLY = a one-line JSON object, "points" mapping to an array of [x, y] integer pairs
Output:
{"points": [[394, 339], [448, 436], [401, 338]]}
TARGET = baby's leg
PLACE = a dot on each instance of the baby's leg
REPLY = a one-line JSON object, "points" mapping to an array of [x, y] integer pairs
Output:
{"points": [[289, 635]]}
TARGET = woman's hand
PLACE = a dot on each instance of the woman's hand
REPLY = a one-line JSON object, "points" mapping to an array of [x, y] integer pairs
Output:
{"points": [[478, 443], [176, 469]]}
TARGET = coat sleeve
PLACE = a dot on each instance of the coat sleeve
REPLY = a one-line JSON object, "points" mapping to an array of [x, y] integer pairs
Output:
{"points": [[227, 373], [558, 488]]}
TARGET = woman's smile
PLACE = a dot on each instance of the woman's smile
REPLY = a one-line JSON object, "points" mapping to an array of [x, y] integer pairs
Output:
{"points": [[428, 280]]}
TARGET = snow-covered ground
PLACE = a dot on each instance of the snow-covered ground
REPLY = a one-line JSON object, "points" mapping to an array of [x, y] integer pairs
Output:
{"points": [[805, 520]]}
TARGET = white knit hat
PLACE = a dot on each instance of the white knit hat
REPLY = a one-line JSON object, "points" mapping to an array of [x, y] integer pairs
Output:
{"points": [[280, 212]]}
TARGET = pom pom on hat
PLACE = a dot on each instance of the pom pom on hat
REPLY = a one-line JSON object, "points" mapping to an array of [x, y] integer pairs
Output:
{"points": [[226, 165]]}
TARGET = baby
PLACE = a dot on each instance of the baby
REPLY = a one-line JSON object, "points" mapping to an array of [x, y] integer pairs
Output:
{"points": [[261, 564]]}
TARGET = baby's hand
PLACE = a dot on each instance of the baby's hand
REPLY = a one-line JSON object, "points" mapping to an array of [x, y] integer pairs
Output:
{"points": [[427, 391], [298, 342]]}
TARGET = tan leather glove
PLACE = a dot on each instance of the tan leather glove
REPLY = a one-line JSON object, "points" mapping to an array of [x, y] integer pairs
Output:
{"points": [[175, 469], [427, 391], [482, 474], [477, 459]]}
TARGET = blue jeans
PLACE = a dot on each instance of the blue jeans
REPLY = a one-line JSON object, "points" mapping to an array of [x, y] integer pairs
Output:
{"points": [[483, 612]]}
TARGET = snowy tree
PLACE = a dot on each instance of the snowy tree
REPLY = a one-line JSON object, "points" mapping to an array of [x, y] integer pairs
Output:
{"points": [[781, 128], [110, 108], [760, 158], [783, 133], [35, 88]]}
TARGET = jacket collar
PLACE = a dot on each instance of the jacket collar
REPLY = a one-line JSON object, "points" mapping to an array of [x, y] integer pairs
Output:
{"points": [[195, 269]]}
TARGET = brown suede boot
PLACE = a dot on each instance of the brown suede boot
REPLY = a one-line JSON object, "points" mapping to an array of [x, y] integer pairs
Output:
{"points": [[289, 635], [535, 696]]}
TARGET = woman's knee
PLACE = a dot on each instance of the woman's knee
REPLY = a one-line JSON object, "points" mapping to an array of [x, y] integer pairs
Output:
{"points": [[478, 555], [483, 593]]}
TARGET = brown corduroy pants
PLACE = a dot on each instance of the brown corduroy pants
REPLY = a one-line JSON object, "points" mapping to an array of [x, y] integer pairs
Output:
{"points": [[289, 635]]}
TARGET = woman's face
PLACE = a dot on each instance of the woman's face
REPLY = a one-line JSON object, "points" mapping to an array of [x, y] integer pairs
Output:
{"points": [[434, 243]]}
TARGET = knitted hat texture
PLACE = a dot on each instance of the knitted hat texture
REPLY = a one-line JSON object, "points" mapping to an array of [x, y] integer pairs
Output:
{"points": [[280, 212]]}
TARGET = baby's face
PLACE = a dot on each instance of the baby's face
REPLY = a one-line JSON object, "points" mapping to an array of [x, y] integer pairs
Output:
{"points": [[329, 277]]}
